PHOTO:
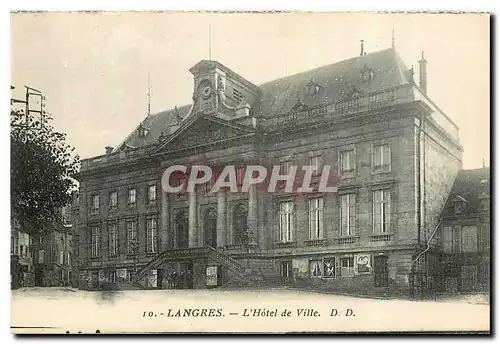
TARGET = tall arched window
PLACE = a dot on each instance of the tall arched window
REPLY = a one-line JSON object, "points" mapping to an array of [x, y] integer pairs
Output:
{"points": [[240, 227], [210, 227], [182, 229]]}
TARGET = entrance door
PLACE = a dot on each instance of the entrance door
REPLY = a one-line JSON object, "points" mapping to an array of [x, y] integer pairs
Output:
{"points": [[185, 280], [94, 279], [381, 271], [159, 279]]}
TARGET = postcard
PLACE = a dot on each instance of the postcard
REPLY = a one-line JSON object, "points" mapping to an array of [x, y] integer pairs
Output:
{"points": [[250, 172]]}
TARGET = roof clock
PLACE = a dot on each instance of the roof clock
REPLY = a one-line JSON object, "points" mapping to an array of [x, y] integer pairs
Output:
{"points": [[206, 91], [206, 100]]}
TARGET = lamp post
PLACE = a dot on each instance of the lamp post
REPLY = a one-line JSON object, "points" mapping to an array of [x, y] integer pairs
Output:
{"points": [[133, 249]]}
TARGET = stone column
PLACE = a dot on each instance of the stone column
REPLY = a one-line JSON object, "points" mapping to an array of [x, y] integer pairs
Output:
{"points": [[252, 215], [221, 218], [165, 221], [193, 220]]}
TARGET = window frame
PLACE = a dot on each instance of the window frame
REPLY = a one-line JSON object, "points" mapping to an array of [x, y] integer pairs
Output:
{"points": [[318, 213], [129, 237], [93, 207], [387, 225], [152, 235], [345, 221], [129, 194], [115, 205], [239, 173], [113, 228], [447, 239], [311, 271], [95, 241], [383, 167], [352, 161], [183, 191], [473, 234], [151, 201], [289, 214], [318, 165], [286, 269], [350, 268]]}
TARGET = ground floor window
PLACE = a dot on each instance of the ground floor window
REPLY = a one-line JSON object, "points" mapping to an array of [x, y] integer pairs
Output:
{"points": [[346, 266], [112, 276], [315, 268], [334, 267], [286, 269]]}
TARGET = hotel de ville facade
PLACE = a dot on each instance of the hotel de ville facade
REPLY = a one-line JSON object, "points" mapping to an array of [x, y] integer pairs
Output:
{"points": [[394, 152]]}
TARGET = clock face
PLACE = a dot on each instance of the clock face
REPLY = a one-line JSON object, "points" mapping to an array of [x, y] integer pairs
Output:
{"points": [[206, 92]]}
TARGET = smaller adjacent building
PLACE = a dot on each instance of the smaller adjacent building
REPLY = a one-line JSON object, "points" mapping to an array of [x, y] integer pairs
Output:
{"points": [[22, 268], [54, 254], [465, 234]]}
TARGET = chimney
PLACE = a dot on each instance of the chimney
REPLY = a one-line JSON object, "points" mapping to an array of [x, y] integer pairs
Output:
{"points": [[109, 150], [362, 51], [423, 73]]}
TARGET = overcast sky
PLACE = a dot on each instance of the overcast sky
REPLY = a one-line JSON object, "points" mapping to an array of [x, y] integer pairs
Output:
{"points": [[93, 67]]}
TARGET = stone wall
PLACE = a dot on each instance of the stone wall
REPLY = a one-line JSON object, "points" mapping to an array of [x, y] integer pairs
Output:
{"points": [[442, 161]]}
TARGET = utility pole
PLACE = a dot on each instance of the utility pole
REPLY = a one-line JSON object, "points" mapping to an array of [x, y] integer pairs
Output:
{"points": [[33, 92]]}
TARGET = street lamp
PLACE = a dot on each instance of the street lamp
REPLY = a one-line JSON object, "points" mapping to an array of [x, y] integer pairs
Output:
{"points": [[133, 249]]}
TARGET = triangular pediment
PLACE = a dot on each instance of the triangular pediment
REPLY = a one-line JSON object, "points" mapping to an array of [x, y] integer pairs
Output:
{"points": [[204, 130]]}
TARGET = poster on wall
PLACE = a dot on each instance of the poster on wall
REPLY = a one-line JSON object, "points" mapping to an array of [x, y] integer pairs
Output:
{"points": [[153, 279], [102, 277], [84, 276], [212, 276], [363, 264], [329, 267], [122, 273], [300, 267]]}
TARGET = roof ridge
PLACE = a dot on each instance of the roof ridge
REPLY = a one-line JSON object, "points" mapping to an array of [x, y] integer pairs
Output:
{"points": [[326, 66]]}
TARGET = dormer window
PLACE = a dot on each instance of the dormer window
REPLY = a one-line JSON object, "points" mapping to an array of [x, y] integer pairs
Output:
{"points": [[312, 88], [484, 198], [367, 74], [142, 131], [459, 205]]}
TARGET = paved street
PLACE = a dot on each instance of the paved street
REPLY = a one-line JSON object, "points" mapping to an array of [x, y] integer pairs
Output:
{"points": [[235, 311]]}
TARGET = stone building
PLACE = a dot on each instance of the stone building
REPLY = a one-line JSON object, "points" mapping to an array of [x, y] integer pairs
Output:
{"points": [[54, 254], [21, 256], [393, 152], [464, 235]]}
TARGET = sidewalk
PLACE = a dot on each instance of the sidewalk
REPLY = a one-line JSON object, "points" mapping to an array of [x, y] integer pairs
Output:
{"points": [[477, 299]]}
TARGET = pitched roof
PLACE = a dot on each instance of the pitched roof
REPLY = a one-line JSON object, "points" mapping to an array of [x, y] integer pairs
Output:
{"points": [[156, 125], [470, 185], [336, 81]]}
